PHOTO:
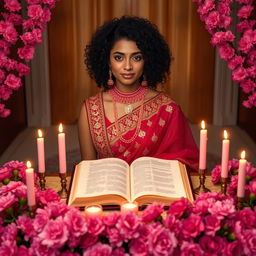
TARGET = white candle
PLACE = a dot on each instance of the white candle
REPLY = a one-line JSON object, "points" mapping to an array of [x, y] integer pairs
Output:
{"points": [[62, 150], [129, 207], [30, 185], [225, 155], [93, 211], [203, 147], [40, 152], [241, 175]]}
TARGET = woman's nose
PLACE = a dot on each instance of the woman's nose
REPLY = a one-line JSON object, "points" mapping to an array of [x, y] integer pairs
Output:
{"points": [[127, 65]]}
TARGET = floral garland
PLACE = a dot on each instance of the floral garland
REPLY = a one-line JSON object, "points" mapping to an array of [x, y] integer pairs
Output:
{"points": [[18, 39], [241, 55], [208, 226]]}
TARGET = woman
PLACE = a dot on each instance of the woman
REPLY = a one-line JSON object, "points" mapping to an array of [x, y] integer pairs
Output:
{"points": [[128, 57]]}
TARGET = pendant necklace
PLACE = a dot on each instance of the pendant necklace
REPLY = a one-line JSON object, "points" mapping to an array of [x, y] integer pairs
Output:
{"points": [[128, 98]]}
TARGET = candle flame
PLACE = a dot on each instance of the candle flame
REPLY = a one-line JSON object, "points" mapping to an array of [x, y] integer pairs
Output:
{"points": [[28, 164], [203, 124], [60, 128], [225, 134], [40, 134], [243, 154]]}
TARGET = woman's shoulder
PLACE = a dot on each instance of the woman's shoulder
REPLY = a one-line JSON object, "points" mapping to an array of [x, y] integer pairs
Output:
{"points": [[93, 98]]}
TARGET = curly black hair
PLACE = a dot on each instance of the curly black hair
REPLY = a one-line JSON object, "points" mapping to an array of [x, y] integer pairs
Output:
{"points": [[155, 50]]}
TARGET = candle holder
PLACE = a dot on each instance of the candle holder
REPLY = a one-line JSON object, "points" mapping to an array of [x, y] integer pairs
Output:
{"points": [[240, 203], [201, 187], [224, 183], [42, 180], [32, 211], [63, 192]]}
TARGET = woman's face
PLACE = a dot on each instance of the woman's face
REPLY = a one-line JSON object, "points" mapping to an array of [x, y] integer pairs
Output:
{"points": [[126, 63]]}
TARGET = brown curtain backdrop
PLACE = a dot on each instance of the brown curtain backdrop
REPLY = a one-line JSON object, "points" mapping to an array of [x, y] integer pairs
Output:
{"points": [[72, 25]]}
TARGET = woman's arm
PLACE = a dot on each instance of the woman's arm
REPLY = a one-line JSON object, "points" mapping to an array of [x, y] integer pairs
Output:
{"points": [[87, 149]]}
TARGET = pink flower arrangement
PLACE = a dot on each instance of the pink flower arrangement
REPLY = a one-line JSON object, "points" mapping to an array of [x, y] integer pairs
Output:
{"points": [[250, 188], [208, 226], [14, 66], [239, 54]]}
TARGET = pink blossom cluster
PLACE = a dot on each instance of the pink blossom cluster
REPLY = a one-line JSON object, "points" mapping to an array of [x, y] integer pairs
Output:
{"points": [[208, 226], [250, 187], [241, 55], [19, 36]]}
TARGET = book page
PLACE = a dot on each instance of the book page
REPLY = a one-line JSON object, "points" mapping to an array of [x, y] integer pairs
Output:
{"points": [[152, 176], [105, 176]]}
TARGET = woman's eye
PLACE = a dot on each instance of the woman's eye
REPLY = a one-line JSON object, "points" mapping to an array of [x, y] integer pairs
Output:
{"points": [[137, 58], [118, 58]]}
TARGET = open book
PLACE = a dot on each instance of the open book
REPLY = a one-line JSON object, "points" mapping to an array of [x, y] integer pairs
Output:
{"points": [[112, 181]]}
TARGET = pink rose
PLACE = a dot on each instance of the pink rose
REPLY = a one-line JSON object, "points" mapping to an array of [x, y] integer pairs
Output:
{"points": [[23, 251], [201, 206], [245, 11], [23, 69], [4, 112], [192, 226], [249, 241], [114, 236], [223, 208], [10, 64], [98, 249], [252, 187], [221, 37], [14, 18], [10, 35], [212, 245], [119, 252], [95, 226], [245, 45], [54, 233], [251, 58], [212, 225], [239, 74], [11, 187], [251, 71], [2, 75], [223, 8], [247, 85], [206, 7], [246, 217], [74, 241], [4, 174], [212, 19], [35, 11], [129, 224], [216, 173], [32, 37], [5, 94], [161, 241], [25, 223], [190, 249], [179, 207], [88, 240], [7, 201], [232, 186], [235, 61], [26, 53], [37, 248], [46, 16], [226, 52], [46, 196], [28, 24], [139, 247], [111, 219], [12, 5], [56, 209], [75, 222], [243, 26], [152, 212], [225, 21], [233, 249], [41, 219]]}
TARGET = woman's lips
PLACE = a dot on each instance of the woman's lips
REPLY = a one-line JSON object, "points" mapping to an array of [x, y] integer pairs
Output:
{"points": [[127, 76]]}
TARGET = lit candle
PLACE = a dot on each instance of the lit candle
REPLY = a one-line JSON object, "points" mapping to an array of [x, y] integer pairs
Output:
{"points": [[203, 147], [225, 155], [241, 175], [62, 150], [30, 185], [129, 207], [93, 211], [40, 152]]}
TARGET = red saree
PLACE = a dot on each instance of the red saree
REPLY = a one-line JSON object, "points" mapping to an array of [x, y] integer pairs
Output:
{"points": [[164, 132]]}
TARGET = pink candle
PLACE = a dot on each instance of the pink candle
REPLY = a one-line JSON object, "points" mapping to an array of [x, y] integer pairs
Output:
{"points": [[241, 175], [203, 147], [40, 152], [225, 155], [30, 185], [62, 150]]}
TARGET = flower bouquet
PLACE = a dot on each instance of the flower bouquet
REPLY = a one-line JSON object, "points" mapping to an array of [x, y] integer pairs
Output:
{"points": [[208, 226]]}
